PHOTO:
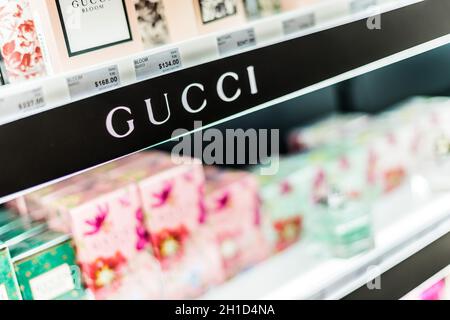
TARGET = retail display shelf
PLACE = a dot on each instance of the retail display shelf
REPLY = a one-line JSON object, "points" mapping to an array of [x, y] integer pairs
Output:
{"points": [[404, 226], [58, 90], [79, 125]]}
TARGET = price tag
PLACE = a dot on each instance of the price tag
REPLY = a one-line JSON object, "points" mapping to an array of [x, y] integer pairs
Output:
{"points": [[24, 101], [361, 5], [236, 41], [156, 64], [89, 83], [299, 23]]}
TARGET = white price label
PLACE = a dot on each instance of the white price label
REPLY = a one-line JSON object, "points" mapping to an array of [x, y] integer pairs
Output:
{"points": [[299, 23], [157, 64], [96, 81], [236, 41], [361, 5], [24, 101], [53, 283]]}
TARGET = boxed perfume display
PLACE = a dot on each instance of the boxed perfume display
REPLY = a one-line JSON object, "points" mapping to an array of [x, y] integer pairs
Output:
{"points": [[197, 268], [234, 218], [9, 287], [113, 248], [291, 199], [283, 202], [171, 191], [327, 131], [21, 50], [155, 226], [46, 269], [395, 140], [428, 144], [170, 194], [76, 33]]}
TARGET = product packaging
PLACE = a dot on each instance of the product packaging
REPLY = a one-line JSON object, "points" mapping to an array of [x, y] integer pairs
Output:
{"points": [[77, 33], [171, 191], [113, 248], [20, 47], [46, 268], [9, 288], [234, 219]]}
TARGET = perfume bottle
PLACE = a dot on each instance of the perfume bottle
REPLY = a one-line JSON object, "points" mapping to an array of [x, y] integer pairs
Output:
{"points": [[343, 223]]}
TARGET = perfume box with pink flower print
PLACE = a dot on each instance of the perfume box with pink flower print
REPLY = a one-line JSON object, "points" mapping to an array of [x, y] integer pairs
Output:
{"points": [[197, 268], [20, 47], [106, 222], [234, 219], [171, 191]]}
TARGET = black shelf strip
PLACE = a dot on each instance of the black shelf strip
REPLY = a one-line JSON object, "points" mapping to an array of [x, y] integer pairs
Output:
{"points": [[409, 274]]}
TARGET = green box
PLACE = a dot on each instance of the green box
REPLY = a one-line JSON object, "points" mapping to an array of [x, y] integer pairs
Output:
{"points": [[46, 268], [9, 288]]}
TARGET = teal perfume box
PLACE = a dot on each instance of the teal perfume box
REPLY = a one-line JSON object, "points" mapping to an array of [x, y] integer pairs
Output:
{"points": [[46, 268], [9, 288]]}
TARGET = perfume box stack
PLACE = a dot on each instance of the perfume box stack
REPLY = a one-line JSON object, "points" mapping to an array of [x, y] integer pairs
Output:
{"points": [[234, 218], [36, 264], [171, 191], [283, 204], [46, 269], [327, 131], [394, 141], [9, 287], [292, 198], [105, 219], [152, 225]]}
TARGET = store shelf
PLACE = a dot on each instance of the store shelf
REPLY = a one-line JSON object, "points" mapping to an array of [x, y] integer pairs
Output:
{"points": [[67, 129], [325, 14], [404, 226]]}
